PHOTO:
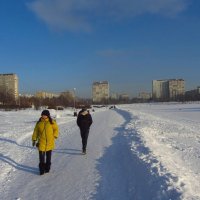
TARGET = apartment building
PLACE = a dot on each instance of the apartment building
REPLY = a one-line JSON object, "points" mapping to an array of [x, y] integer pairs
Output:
{"points": [[124, 97], [114, 96], [168, 89], [160, 89], [43, 95], [192, 94], [144, 95], [176, 88], [9, 85], [100, 91]]}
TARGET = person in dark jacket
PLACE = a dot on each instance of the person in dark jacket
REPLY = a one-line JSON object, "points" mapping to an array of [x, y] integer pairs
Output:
{"points": [[84, 121]]}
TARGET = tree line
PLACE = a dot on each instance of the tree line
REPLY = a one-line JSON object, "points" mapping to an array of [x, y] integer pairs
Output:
{"points": [[7, 101]]}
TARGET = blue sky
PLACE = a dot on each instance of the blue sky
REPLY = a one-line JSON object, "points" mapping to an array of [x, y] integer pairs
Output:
{"points": [[58, 45]]}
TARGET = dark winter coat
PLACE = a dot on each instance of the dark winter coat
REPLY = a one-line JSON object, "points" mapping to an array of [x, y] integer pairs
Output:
{"points": [[84, 120]]}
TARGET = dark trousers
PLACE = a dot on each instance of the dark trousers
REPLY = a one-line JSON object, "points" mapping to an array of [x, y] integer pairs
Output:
{"points": [[45, 161], [84, 137]]}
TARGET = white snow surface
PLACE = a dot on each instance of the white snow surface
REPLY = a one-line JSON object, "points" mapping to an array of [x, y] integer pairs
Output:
{"points": [[135, 152]]}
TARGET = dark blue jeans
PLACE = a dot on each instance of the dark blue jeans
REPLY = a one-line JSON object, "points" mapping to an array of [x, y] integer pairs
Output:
{"points": [[84, 137], [45, 161]]}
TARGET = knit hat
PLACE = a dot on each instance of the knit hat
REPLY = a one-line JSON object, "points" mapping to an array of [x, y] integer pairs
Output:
{"points": [[84, 109], [46, 113]]}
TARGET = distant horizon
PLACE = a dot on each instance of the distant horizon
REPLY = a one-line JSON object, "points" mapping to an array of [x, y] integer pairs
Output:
{"points": [[57, 92]]}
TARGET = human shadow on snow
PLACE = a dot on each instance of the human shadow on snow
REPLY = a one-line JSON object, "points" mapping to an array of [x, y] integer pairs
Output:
{"points": [[68, 151], [124, 176], [15, 143], [18, 166]]}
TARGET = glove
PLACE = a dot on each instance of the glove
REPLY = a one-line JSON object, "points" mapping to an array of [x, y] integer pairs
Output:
{"points": [[37, 144], [33, 143]]}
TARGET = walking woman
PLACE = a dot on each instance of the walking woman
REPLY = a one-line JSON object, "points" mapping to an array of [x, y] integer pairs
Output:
{"points": [[44, 135], [84, 121]]}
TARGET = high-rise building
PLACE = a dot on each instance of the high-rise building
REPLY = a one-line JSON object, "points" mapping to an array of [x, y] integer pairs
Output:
{"points": [[9, 85], [100, 91], [176, 88], [168, 89], [160, 89]]}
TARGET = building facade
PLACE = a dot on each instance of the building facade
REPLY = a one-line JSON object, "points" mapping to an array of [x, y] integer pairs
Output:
{"points": [[100, 91], [193, 94], [144, 95], [114, 96], [168, 89], [124, 97], [43, 95], [9, 85], [160, 89], [176, 88]]}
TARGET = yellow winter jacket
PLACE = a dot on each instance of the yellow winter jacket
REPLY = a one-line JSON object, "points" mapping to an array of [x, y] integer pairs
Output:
{"points": [[45, 133]]}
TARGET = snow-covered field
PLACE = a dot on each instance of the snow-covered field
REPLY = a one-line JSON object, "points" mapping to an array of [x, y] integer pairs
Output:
{"points": [[135, 152]]}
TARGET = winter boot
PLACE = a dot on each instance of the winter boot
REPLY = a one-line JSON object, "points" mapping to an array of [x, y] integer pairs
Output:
{"points": [[47, 167], [84, 151], [42, 168]]}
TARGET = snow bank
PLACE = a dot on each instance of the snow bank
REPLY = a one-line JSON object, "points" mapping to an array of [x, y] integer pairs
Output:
{"points": [[171, 132]]}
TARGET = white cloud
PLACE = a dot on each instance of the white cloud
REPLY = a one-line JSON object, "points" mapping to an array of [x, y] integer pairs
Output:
{"points": [[75, 15], [61, 14]]}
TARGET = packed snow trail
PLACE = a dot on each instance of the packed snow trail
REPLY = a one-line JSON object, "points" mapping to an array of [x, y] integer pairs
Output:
{"points": [[124, 175], [109, 171]]}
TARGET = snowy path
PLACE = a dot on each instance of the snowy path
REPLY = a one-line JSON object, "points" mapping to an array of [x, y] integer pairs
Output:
{"points": [[124, 175], [110, 170], [73, 175]]}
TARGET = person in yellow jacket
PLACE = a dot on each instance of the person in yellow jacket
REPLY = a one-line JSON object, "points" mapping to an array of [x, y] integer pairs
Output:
{"points": [[44, 135]]}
